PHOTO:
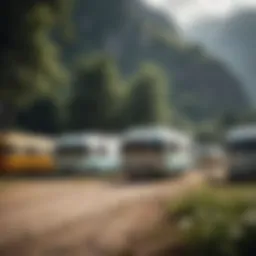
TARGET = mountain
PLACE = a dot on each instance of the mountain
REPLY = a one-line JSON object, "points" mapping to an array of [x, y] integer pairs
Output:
{"points": [[133, 33], [233, 41]]}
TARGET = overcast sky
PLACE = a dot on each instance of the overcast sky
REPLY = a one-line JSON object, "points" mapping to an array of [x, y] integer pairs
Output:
{"points": [[185, 11]]}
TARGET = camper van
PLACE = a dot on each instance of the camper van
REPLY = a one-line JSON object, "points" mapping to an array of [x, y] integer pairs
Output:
{"points": [[156, 152]]}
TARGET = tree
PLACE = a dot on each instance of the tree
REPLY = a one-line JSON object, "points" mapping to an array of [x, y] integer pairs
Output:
{"points": [[42, 116], [134, 33], [30, 62], [207, 132], [149, 97], [228, 120], [96, 95]]}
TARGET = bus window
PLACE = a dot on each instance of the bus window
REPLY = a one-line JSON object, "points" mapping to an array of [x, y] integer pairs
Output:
{"points": [[143, 146], [242, 146], [72, 150]]}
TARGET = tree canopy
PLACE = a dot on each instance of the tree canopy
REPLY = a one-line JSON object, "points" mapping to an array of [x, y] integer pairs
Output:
{"points": [[30, 61], [95, 96], [149, 98]]}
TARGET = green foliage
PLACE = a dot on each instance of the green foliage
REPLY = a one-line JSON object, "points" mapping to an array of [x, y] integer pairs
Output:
{"points": [[230, 119], [208, 132], [30, 62], [134, 33], [217, 224], [42, 116], [32, 67], [149, 97], [101, 101], [96, 95]]}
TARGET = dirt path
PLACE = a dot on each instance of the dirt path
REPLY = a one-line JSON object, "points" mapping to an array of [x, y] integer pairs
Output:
{"points": [[81, 218]]}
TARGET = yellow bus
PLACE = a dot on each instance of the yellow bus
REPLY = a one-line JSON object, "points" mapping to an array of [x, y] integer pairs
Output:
{"points": [[26, 153]]}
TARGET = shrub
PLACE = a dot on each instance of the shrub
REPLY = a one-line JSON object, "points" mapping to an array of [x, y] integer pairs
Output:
{"points": [[216, 224]]}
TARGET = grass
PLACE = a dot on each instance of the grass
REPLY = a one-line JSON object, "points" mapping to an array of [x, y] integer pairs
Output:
{"points": [[210, 222], [217, 222]]}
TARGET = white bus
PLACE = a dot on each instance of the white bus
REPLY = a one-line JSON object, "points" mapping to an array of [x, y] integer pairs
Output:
{"points": [[87, 153], [156, 152], [240, 145]]}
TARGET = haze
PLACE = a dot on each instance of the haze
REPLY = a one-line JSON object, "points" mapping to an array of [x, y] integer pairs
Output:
{"points": [[187, 11]]}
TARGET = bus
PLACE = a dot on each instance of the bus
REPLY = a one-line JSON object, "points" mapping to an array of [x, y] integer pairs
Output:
{"points": [[240, 144], [87, 153], [156, 152], [24, 153]]}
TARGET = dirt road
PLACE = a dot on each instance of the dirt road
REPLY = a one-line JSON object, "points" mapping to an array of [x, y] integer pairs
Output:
{"points": [[81, 217]]}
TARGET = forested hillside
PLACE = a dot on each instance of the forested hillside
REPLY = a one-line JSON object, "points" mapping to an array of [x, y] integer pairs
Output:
{"points": [[59, 55], [233, 41], [133, 33]]}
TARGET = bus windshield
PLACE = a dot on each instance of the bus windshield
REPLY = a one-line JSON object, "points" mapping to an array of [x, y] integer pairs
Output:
{"points": [[142, 146], [243, 146], [72, 150]]}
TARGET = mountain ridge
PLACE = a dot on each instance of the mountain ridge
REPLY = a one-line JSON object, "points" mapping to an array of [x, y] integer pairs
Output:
{"points": [[134, 33]]}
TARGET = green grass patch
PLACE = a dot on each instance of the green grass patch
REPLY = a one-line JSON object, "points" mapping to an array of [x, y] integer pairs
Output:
{"points": [[217, 222]]}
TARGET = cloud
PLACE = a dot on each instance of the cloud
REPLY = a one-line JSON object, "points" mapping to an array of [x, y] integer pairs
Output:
{"points": [[186, 11]]}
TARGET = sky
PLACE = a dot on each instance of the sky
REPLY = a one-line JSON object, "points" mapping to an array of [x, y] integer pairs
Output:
{"points": [[186, 11]]}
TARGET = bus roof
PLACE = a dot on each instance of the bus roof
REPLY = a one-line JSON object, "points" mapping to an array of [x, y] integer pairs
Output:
{"points": [[85, 138], [19, 138], [156, 132], [245, 132]]}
